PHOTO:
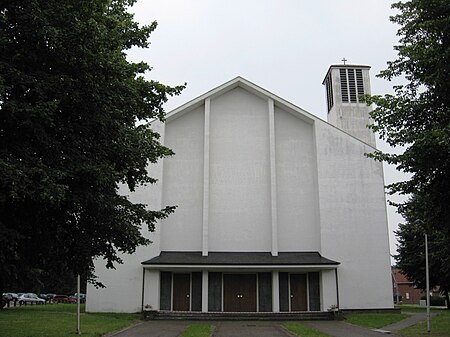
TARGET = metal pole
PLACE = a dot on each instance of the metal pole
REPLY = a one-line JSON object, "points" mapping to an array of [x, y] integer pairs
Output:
{"points": [[143, 289], [337, 289], [78, 305], [427, 277]]}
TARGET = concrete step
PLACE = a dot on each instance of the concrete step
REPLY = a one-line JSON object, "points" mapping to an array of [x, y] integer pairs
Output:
{"points": [[269, 316]]}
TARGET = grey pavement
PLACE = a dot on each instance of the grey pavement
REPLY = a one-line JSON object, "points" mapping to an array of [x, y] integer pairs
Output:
{"points": [[249, 329], [173, 328], [416, 317], [342, 329], [154, 329]]}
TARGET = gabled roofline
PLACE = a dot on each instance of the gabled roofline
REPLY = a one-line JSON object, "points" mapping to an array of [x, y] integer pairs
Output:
{"points": [[245, 84], [263, 93]]}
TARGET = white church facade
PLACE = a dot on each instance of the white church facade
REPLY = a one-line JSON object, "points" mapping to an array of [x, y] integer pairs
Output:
{"points": [[278, 210]]}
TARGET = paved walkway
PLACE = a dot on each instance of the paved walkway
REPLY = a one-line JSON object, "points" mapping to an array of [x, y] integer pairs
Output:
{"points": [[243, 329], [249, 329], [154, 329], [173, 328], [416, 317], [342, 329]]}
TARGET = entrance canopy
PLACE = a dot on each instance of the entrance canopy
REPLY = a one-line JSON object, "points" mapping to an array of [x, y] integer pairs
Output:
{"points": [[240, 260]]}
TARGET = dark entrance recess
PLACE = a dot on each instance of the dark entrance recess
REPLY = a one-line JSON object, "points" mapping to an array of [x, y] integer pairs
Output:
{"points": [[314, 291], [284, 291], [265, 292], [239, 292], [214, 291], [165, 291], [196, 298], [298, 292], [181, 292]]}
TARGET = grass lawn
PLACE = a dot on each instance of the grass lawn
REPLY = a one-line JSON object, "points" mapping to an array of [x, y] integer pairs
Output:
{"points": [[197, 330], [375, 320], [415, 308], [440, 327], [59, 320], [303, 330]]}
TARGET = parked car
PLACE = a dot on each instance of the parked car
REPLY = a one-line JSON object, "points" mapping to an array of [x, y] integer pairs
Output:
{"points": [[7, 298], [10, 296], [63, 299], [30, 298], [46, 297], [82, 297], [50, 297]]}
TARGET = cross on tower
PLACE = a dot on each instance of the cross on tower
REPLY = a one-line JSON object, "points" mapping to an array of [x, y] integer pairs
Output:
{"points": [[344, 60]]}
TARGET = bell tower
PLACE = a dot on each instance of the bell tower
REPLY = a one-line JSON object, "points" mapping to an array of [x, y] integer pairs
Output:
{"points": [[344, 85]]}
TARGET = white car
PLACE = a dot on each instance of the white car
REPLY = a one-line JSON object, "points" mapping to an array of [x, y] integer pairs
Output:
{"points": [[30, 298]]}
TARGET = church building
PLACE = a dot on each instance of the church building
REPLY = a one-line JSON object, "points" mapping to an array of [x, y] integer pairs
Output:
{"points": [[277, 209]]}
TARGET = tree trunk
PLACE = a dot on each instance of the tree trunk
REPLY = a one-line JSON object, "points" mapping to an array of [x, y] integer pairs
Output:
{"points": [[2, 288]]}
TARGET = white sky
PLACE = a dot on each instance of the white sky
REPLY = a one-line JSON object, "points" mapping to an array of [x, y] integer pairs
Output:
{"points": [[284, 46]]}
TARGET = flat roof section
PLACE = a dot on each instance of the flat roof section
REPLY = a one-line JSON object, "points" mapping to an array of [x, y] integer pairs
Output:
{"points": [[240, 258]]}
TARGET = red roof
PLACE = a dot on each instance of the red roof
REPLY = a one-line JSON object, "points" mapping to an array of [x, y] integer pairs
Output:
{"points": [[399, 277]]}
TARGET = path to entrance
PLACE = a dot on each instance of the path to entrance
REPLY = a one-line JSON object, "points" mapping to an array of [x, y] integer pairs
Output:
{"points": [[172, 328], [154, 329], [415, 318], [342, 329], [249, 329]]}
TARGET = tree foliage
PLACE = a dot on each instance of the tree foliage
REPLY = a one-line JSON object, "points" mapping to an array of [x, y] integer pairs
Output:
{"points": [[69, 102], [411, 255], [417, 117]]}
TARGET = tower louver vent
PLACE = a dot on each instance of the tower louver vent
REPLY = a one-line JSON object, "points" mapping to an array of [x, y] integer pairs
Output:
{"points": [[352, 85], [344, 87], [359, 81], [329, 87]]}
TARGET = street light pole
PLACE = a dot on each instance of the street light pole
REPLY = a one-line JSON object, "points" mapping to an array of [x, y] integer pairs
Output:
{"points": [[78, 305], [427, 280]]}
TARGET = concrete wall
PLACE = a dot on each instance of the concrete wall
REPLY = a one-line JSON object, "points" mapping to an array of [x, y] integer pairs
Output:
{"points": [[297, 200], [183, 182], [123, 292], [353, 219], [239, 204]]}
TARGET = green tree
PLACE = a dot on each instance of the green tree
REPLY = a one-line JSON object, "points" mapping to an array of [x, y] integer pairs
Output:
{"points": [[411, 255], [69, 102], [417, 117]]}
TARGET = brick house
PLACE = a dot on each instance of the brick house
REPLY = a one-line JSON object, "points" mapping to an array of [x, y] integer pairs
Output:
{"points": [[404, 288]]}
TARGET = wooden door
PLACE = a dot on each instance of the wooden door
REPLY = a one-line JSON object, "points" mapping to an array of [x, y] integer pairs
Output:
{"points": [[298, 292], [239, 292], [248, 293], [231, 293], [181, 292]]}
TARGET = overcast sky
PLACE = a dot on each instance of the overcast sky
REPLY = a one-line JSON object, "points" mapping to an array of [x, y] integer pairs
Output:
{"points": [[284, 46]]}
